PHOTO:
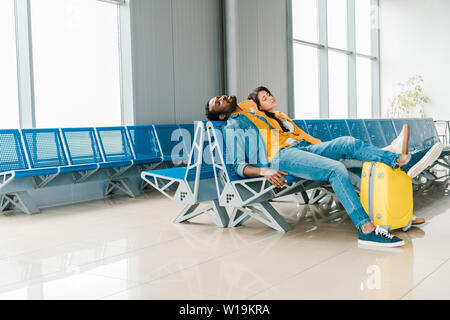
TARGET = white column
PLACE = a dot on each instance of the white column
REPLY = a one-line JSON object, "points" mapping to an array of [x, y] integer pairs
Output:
{"points": [[323, 60], [351, 72], [25, 64], [126, 64]]}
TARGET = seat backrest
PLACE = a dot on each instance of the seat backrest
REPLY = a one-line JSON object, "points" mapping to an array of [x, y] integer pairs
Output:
{"points": [[301, 124], [144, 142], [430, 135], [358, 130], [375, 133], [388, 129], [187, 132], [414, 138], [82, 146], [114, 143], [215, 130], [319, 129], [12, 154], [338, 128], [171, 139], [44, 148]]}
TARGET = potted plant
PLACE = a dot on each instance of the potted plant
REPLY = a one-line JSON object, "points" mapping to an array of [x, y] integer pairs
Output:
{"points": [[410, 101]]}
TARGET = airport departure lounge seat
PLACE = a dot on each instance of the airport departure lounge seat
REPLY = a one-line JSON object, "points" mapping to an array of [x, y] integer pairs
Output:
{"points": [[37, 158], [191, 185], [250, 197]]}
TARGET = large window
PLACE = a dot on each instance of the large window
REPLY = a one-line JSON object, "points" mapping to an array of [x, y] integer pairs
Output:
{"points": [[76, 63], [335, 58], [9, 98]]}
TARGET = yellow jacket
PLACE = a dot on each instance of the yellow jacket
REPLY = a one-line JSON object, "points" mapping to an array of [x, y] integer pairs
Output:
{"points": [[297, 134], [273, 135]]}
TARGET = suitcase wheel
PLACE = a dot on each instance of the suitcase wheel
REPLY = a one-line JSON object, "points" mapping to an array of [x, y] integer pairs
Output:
{"points": [[408, 226]]}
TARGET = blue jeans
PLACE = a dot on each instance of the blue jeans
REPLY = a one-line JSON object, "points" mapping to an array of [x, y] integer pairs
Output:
{"points": [[319, 162]]}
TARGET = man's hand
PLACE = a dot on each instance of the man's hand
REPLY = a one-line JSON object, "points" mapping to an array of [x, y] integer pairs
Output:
{"points": [[275, 177]]}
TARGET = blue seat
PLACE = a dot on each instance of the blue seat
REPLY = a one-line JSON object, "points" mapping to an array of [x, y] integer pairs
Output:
{"points": [[388, 129], [319, 129], [414, 138], [192, 184], [301, 124], [12, 154], [375, 132], [358, 130], [248, 196], [115, 147], [44, 148], [46, 152], [82, 146], [179, 173], [338, 128], [145, 144], [173, 146], [82, 149], [430, 134], [187, 133], [34, 172]]}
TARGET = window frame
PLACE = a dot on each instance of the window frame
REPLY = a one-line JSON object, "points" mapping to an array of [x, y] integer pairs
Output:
{"points": [[323, 48]]}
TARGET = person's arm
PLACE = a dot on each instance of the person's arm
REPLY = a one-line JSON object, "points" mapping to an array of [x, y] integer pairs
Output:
{"points": [[275, 177], [299, 132], [238, 158]]}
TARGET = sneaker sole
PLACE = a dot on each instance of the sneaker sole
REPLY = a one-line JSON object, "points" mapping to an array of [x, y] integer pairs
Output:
{"points": [[380, 244], [405, 139], [428, 159]]}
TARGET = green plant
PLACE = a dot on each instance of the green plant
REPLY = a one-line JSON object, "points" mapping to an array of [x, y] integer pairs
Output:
{"points": [[410, 102]]}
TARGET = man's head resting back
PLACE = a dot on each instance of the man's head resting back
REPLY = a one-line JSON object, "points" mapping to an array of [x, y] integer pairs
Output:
{"points": [[220, 108]]}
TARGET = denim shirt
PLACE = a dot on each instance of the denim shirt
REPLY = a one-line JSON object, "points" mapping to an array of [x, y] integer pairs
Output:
{"points": [[244, 144]]}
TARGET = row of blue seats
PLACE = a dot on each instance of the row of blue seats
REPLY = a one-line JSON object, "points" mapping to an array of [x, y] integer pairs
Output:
{"points": [[37, 152], [378, 132], [221, 187], [49, 151]]}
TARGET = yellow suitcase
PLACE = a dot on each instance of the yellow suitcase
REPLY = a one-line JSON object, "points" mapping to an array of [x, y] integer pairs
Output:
{"points": [[387, 196]]}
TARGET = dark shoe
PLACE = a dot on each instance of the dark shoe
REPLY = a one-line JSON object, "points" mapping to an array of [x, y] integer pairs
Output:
{"points": [[380, 238]]}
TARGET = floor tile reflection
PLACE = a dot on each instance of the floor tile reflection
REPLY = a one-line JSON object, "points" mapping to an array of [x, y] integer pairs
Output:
{"points": [[120, 248]]}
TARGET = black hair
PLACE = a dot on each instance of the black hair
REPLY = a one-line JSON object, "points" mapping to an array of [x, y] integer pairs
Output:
{"points": [[254, 96], [211, 115]]}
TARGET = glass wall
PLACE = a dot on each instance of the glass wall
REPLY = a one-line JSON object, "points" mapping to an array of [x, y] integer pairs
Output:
{"points": [[335, 58], [9, 96], [76, 63]]}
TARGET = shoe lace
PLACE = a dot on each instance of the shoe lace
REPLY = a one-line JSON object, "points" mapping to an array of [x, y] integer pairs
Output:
{"points": [[383, 232]]}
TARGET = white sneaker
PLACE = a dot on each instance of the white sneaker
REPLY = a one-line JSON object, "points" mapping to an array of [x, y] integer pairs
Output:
{"points": [[400, 144], [422, 160]]}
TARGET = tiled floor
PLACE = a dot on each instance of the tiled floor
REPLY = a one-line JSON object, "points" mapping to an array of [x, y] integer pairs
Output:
{"points": [[122, 248]]}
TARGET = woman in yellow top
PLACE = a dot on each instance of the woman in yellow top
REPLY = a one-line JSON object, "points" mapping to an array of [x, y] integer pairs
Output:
{"points": [[265, 103]]}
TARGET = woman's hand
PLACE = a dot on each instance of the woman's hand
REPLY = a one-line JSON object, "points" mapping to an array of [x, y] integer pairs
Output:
{"points": [[275, 177]]}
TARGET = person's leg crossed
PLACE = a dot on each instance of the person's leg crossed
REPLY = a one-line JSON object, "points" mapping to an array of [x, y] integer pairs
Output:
{"points": [[307, 165], [351, 148]]}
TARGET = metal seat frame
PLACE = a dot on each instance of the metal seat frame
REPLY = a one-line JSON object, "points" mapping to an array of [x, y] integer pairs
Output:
{"points": [[191, 193]]}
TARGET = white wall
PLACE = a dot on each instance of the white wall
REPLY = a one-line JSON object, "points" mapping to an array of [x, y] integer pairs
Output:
{"points": [[414, 39]]}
